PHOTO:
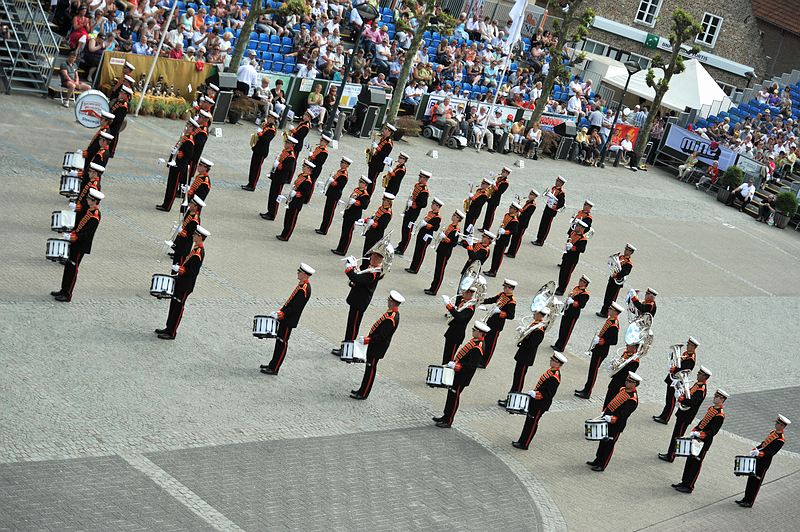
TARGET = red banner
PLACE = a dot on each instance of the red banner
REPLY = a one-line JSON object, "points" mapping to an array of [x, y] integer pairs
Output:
{"points": [[622, 131]]}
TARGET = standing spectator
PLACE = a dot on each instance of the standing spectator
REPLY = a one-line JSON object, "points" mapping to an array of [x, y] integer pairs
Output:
{"points": [[247, 78]]}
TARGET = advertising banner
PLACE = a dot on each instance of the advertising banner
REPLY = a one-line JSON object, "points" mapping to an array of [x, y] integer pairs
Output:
{"points": [[681, 143]]}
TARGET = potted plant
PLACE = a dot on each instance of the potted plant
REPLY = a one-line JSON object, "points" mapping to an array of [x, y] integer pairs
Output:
{"points": [[730, 179], [172, 110], [785, 208], [147, 107], [160, 107]]}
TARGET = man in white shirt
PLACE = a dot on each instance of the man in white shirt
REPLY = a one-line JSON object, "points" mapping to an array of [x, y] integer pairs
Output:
{"points": [[308, 70], [247, 78], [174, 37], [574, 105], [744, 193], [479, 130]]}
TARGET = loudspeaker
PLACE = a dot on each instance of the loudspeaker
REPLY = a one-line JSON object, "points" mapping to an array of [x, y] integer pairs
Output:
{"points": [[566, 129], [377, 97], [227, 80]]}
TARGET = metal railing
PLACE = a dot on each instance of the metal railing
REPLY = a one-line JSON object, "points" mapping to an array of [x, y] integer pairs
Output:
{"points": [[41, 41], [13, 54]]}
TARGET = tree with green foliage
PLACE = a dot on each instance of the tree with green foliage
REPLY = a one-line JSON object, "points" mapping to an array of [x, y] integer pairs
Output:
{"points": [[684, 28]]}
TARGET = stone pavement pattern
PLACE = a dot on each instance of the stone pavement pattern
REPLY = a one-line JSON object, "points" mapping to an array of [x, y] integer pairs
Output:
{"points": [[89, 380]]}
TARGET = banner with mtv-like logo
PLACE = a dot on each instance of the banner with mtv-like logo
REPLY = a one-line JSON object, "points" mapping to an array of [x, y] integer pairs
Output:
{"points": [[681, 143]]}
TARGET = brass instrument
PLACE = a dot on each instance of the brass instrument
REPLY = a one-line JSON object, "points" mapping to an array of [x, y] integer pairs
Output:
{"points": [[365, 225], [681, 380], [472, 278], [373, 146], [544, 298], [639, 333], [614, 265], [438, 236], [385, 249], [633, 312], [324, 186], [468, 201]]}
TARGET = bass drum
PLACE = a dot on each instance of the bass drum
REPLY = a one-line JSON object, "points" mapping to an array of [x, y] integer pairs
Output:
{"points": [[88, 107]]}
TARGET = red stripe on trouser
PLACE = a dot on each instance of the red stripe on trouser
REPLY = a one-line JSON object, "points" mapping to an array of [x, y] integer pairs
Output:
{"points": [[610, 296], [518, 238], [534, 426], [327, 216], [349, 238], [457, 391], [669, 404], [611, 451], [489, 218], [569, 333], [291, 223], [405, 239], [174, 329], [519, 372], [677, 432], [591, 378], [563, 280], [490, 351], [254, 182], [350, 335], [696, 474], [282, 354], [438, 276], [369, 378]]}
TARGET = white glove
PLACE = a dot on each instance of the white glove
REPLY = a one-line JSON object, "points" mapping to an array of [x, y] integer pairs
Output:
{"points": [[184, 189], [360, 339], [409, 203], [501, 231], [175, 268], [367, 221], [66, 236], [754, 452], [72, 205], [294, 193], [352, 201], [350, 261], [174, 150], [447, 300], [451, 364], [482, 307], [360, 222], [694, 434], [568, 247], [411, 225], [458, 234], [172, 164], [281, 198], [596, 340], [496, 311], [374, 145], [532, 393], [569, 300], [426, 238], [607, 418]]}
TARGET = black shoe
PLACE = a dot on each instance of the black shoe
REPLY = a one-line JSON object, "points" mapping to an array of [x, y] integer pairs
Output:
{"points": [[482, 365], [591, 463], [558, 265], [161, 208], [502, 403], [600, 314], [282, 238], [676, 485], [438, 419], [430, 292], [598, 468], [657, 419], [582, 394], [160, 331], [320, 232], [356, 396], [510, 256], [665, 457], [57, 293], [62, 297], [337, 351], [248, 188], [559, 292], [745, 504], [337, 252], [683, 489], [490, 274], [518, 445], [266, 370], [537, 243], [491, 150], [554, 348], [443, 424], [409, 270], [166, 336], [266, 216]]}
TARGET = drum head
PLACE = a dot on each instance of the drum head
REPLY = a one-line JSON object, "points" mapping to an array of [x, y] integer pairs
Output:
{"points": [[88, 108]]}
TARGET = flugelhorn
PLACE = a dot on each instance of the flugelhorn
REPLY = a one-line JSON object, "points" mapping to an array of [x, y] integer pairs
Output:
{"points": [[681, 379], [614, 265], [638, 333]]}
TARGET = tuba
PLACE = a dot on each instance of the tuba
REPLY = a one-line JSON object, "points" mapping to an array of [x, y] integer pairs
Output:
{"points": [[614, 265], [681, 380], [639, 333], [544, 298]]}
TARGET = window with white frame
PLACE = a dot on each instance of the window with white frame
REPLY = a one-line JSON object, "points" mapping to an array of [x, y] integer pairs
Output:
{"points": [[594, 47], [647, 12], [711, 27], [644, 62]]}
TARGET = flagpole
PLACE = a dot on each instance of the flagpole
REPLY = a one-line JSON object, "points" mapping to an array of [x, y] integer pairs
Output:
{"points": [[155, 58]]}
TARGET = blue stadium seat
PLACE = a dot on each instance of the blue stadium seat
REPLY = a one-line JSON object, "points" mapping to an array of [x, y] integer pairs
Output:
{"points": [[288, 68], [275, 39], [286, 41], [267, 65], [263, 47], [252, 45], [286, 48], [275, 48], [263, 38], [253, 36], [466, 87], [290, 60], [277, 66]]}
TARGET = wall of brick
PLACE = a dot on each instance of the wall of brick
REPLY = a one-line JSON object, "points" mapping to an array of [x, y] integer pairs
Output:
{"points": [[782, 47]]}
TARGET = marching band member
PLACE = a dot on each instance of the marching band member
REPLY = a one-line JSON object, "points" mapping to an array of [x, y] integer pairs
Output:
{"points": [[705, 432], [444, 250], [187, 273], [618, 379], [100, 156], [394, 178], [80, 240], [524, 220], [200, 138], [94, 145], [499, 186], [617, 279], [503, 308], [462, 310], [92, 179], [505, 232], [605, 339], [359, 200], [201, 185], [261, 150], [377, 342], [298, 196], [648, 306], [465, 363], [333, 194], [377, 225], [541, 398], [282, 172], [432, 221], [380, 152], [584, 215], [120, 112], [688, 360], [578, 297], [300, 131], [478, 251], [616, 413], [551, 209], [763, 454], [697, 394], [526, 352], [318, 157], [183, 241], [127, 70], [416, 202], [474, 205], [179, 167], [362, 288], [576, 244], [289, 317]]}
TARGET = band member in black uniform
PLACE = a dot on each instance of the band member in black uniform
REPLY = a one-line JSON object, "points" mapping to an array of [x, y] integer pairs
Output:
{"points": [[179, 167], [201, 185], [575, 302], [183, 241], [200, 138], [417, 201], [444, 250], [462, 310], [503, 307], [430, 224], [318, 157], [576, 244], [617, 380], [395, 176], [474, 205], [541, 400], [127, 70], [333, 194], [81, 204], [555, 202], [684, 416], [616, 413], [300, 131], [380, 151], [585, 215], [617, 279], [300, 195], [499, 186], [377, 225], [120, 111], [186, 277], [465, 363], [648, 306], [282, 172], [507, 229], [705, 432], [478, 251], [80, 240], [289, 317], [362, 288], [358, 201], [687, 361], [94, 145], [606, 338], [526, 351], [763, 454], [99, 157], [261, 150], [377, 342], [524, 220]]}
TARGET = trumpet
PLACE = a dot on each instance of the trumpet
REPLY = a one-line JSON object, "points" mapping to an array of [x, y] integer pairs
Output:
{"points": [[468, 201], [438, 236], [284, 200], [365, 225], [324, 186]]}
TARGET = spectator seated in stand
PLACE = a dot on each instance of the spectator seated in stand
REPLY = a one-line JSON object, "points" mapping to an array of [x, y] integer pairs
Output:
{"points": [[710, 178], [70, 79], [743, 193]]}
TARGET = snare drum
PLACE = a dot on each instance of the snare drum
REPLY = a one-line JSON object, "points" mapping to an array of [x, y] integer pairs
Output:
{"points": [[61, 221], [265, 327], [596, 429], [73, 160], [744, 465], [517, 403], [440, 376], [354, 352], [57, 250], [683, 447], [70, 186], [162, 286]]}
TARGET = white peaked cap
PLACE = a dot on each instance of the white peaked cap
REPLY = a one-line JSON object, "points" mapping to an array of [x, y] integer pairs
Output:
{"points": [[510, 282], [560, 357], [396, 296], [96, 194], [206, 162], [202, 230], [460, 214], [307, 269], [634, 377], [616, 306], [481, 326], [97, 167], [198, 200]]}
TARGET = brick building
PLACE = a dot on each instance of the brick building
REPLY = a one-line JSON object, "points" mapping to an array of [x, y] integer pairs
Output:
{"points": [[779, 22]]}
